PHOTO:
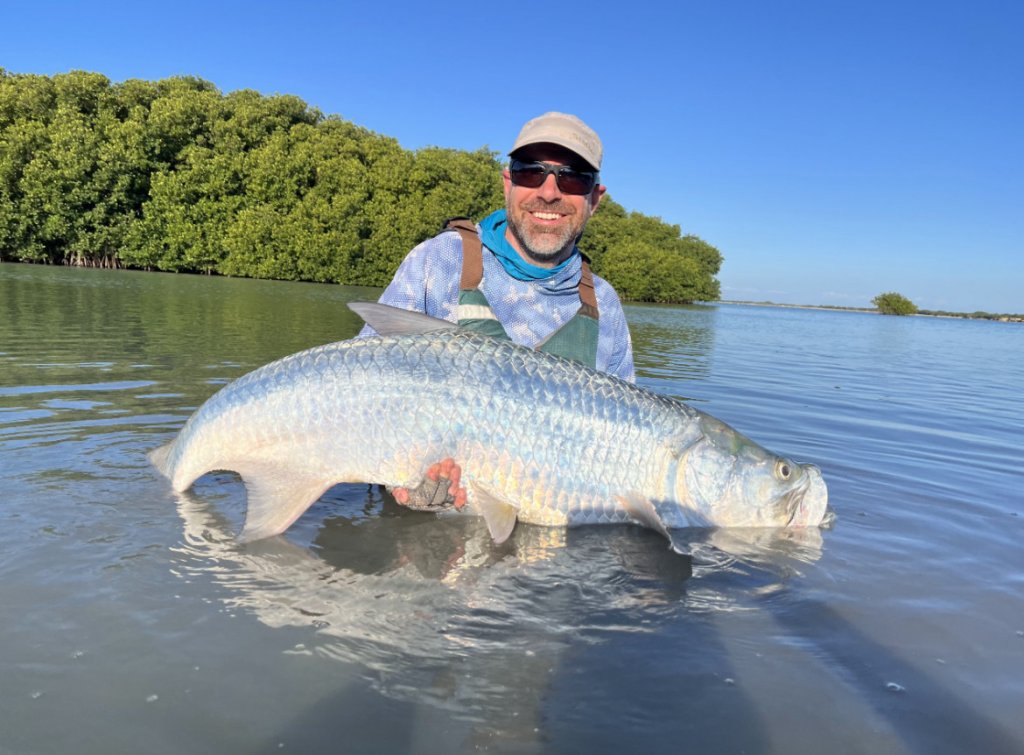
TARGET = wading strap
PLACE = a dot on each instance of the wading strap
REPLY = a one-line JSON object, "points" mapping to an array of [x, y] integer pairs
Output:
{"points": [[472, 252], [588, 299]]}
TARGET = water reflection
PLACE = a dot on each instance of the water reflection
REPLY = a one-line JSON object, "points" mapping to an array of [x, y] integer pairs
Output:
{"points": [[69, 321], [671, 345], [440, 614], [434, 612]]}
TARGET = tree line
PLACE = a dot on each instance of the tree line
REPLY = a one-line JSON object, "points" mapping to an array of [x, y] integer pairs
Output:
{"points": [[173, 175]]}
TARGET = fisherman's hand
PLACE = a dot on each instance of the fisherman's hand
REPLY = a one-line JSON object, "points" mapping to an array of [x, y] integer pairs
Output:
{"points": [[439, 489]]}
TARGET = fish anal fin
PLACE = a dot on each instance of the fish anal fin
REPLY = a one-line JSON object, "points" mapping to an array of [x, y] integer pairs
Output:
{"points": [[499, 514], [276, 497]]}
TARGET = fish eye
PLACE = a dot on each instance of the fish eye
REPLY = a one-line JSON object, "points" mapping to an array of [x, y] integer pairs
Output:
{"points": [[783, 470]]}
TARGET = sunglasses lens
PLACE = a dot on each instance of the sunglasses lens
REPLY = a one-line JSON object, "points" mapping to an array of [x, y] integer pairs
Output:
{"points": [[532, 175], [574, 182], [528, 175]]}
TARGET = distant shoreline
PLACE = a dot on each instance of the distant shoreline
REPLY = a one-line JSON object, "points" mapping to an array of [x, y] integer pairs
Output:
{"points": [[871, 311], [1015, 318]]}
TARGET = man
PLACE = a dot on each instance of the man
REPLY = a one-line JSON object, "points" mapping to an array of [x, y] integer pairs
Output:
{"points": [[519, 274]]}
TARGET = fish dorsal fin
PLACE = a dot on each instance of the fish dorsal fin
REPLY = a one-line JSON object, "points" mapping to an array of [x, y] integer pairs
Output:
{"points": [[498, 513], [392, 321]]}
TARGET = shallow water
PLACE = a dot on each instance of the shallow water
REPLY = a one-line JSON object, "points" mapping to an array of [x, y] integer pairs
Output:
{"points": [[133, 622]]}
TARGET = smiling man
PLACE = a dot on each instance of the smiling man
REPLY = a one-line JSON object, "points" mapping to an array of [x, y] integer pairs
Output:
{"points": [[518, 274], [550, 190]]}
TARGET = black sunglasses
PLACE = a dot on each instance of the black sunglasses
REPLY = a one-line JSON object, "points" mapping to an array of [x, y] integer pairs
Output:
{"points": [[569, 180]]}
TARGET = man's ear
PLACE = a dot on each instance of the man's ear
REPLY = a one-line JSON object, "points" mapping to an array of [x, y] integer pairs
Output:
{"points": [[596, 196], [506, 180]]}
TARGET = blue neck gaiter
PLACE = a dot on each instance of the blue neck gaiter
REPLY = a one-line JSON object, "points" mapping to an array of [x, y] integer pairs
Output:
{"points": [[493, 227]]}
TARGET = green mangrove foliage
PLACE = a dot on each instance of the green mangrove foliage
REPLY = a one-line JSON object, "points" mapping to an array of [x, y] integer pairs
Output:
{"points": [[173, 175], [892, 303]]}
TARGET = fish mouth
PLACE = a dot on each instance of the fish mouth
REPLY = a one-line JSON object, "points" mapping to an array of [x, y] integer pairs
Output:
{"points": [[809, 501]]}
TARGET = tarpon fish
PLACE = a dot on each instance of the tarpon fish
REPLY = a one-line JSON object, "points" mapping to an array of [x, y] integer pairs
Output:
{"points": [[539, 439]]}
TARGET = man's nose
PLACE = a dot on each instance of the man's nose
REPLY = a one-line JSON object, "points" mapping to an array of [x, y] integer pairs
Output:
{"points": [[549, 189]]}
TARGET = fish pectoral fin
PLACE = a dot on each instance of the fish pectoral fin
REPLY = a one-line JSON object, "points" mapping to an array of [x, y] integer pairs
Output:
{"points": [[644, 513], [277, 496], [499, 514], [393, 321]]}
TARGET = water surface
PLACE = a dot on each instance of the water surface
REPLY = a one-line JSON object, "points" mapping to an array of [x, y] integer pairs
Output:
{"points": [[133, 622]]}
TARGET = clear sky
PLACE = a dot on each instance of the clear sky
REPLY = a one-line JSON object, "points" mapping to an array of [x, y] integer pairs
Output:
{"points": [[832, 150]]}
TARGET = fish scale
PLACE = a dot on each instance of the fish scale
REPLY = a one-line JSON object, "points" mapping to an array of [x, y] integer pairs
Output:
{"points": [[539, 439]]}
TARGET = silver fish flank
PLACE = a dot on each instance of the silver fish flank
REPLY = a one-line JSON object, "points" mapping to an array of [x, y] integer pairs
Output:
{"points": [[539, 439]]}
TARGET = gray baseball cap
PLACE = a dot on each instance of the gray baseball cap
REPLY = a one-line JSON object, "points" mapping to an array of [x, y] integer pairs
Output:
{"points": [[564, 130]]}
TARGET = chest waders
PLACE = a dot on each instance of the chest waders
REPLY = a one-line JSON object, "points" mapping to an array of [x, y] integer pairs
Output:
{"points": [[576, 339]]}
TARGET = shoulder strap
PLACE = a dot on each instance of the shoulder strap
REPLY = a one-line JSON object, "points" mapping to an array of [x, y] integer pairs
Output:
{"points": [[588, 297], [472, 251]]}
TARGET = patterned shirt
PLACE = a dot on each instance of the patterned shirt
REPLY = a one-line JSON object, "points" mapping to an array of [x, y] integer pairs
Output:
{"points": [[428, 281]]}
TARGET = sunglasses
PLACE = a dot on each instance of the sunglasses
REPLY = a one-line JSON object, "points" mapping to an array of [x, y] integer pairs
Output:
{"points": [[569, 180]]}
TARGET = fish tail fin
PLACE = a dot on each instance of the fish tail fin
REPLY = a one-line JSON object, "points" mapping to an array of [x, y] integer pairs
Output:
{"points": [[276, 497], [160, 458]]}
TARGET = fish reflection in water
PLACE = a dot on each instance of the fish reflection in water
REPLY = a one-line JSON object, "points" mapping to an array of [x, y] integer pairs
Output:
{"points": [[441, 615]]}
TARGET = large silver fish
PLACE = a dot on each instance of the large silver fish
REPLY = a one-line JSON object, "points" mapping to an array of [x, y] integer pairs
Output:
{"points": [[539, 439]]}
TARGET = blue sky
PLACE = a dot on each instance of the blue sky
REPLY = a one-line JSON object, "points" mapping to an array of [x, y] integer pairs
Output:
{"points": [[830, 150]]}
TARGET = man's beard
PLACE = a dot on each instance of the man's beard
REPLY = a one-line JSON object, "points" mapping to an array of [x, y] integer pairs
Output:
{"points": [[542, 245]]}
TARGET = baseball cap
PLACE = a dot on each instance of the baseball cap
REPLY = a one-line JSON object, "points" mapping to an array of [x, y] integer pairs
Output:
{"points": [[564, 130]]}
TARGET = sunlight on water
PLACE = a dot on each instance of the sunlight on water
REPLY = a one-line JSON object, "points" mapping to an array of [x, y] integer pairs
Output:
{"points": [[133, 616]]}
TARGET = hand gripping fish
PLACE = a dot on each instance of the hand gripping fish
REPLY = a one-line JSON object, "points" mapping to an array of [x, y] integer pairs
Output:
{"points": [[540, 439]]}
